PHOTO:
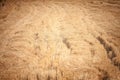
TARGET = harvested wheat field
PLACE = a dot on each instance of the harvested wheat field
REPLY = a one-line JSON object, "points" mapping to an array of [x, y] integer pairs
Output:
{"points": [[59, 39]]}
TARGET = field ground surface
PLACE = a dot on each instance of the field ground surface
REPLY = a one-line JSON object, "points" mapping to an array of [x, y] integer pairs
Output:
{"points": [[60, 40]]}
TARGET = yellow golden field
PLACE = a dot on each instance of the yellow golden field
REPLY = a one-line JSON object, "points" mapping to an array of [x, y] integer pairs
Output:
{"points": [[59, 39]]}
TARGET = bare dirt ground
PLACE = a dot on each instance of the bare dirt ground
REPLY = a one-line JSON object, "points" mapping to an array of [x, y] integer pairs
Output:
{"points": [[60, 40]]}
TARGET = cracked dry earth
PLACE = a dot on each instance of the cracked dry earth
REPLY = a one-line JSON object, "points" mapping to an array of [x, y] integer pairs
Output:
{"points": [[60, 40]]}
